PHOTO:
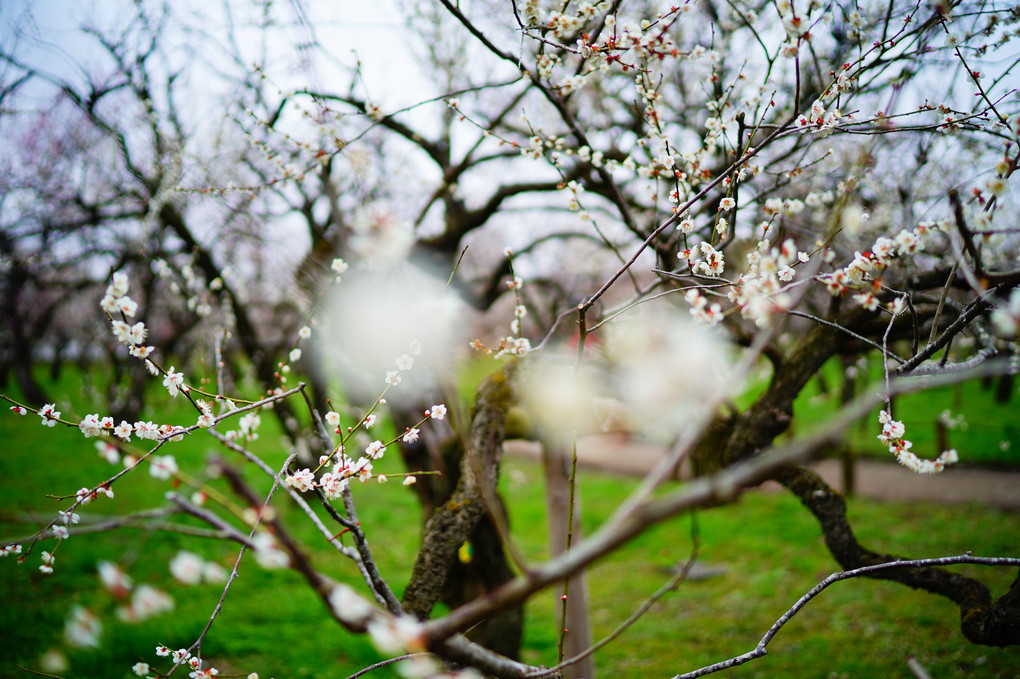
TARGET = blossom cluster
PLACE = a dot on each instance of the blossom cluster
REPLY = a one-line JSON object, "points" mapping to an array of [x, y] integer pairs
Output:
{"points": [[404, 363], [161, 467], [515, 285], [758, 292], [117, 302], [864, 270], [704, 259], [892, 435], [7, 550], [334, 482], [513, 344], [191, 569], [199, 295], [82, 628], [83, 497], [180, 657], [96, 425], [819, 120], [247, 427], [644, 45], [701, 310], [628, 42]]}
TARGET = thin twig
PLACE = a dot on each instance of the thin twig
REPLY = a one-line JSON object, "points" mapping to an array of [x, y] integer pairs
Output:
{"points": [[760, 649], [294, 495], [196, 647], [973, 310], [209, 517], [942, 302], [862, 338], [384, 663], [671, 585]]}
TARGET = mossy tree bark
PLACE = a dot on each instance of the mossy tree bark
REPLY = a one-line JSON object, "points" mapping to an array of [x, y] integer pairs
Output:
{"points": [[447, 569]]}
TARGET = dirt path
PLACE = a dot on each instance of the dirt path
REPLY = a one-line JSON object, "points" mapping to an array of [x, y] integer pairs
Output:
{"points": [[877, 480]]}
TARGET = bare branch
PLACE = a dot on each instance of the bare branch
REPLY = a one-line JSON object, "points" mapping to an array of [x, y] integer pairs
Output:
{"points": [[760, 649]]}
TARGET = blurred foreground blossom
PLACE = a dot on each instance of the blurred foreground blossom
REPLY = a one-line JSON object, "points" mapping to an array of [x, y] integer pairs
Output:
{"points": [[371, 321], [659, 373], [114, 578], [1006, 318], [667, 370], [54, 661], [560, 397], [381, 237]]}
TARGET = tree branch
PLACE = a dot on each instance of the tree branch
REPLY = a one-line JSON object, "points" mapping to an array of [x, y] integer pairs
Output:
{"points": [[872, 571], [981, 620]]}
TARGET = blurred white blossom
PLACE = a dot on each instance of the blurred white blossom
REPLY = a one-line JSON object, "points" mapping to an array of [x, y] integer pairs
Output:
{"points": [[666, 369], [370, 322]]}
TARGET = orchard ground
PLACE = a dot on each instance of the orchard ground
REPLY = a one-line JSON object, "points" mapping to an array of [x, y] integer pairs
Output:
{"points": [[763, 552], [999, 488]]}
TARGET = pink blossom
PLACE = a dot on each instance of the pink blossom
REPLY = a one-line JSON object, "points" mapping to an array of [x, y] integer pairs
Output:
{"points": [[90, 426], [332, 485], [119, 285], [83, 628], [186, 567], [127, 306], [114, 579]]}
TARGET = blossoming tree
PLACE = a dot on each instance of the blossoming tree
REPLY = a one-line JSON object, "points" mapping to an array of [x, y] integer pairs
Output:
{"points": [[803, 183]]}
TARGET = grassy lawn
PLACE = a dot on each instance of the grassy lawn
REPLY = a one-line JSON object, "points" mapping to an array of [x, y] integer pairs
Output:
{"points": [[984, 430], [769, 551]]}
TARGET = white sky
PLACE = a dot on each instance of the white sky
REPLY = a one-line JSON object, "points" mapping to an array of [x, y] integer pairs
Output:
{"points": [[49, 34]]}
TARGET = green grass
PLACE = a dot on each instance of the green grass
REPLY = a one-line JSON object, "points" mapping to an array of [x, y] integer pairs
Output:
{"points": [[987, 431], [772, 552], [770, 547]]}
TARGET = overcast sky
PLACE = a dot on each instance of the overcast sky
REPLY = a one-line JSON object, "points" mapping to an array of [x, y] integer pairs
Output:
{"points": [[47, 33]]}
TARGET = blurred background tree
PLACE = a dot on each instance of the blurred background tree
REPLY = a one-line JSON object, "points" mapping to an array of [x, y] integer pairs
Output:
{"points": [[817, 182]]}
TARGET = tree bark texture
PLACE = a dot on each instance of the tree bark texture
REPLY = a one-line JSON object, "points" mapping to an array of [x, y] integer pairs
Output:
{"points": [[447, 568]]}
